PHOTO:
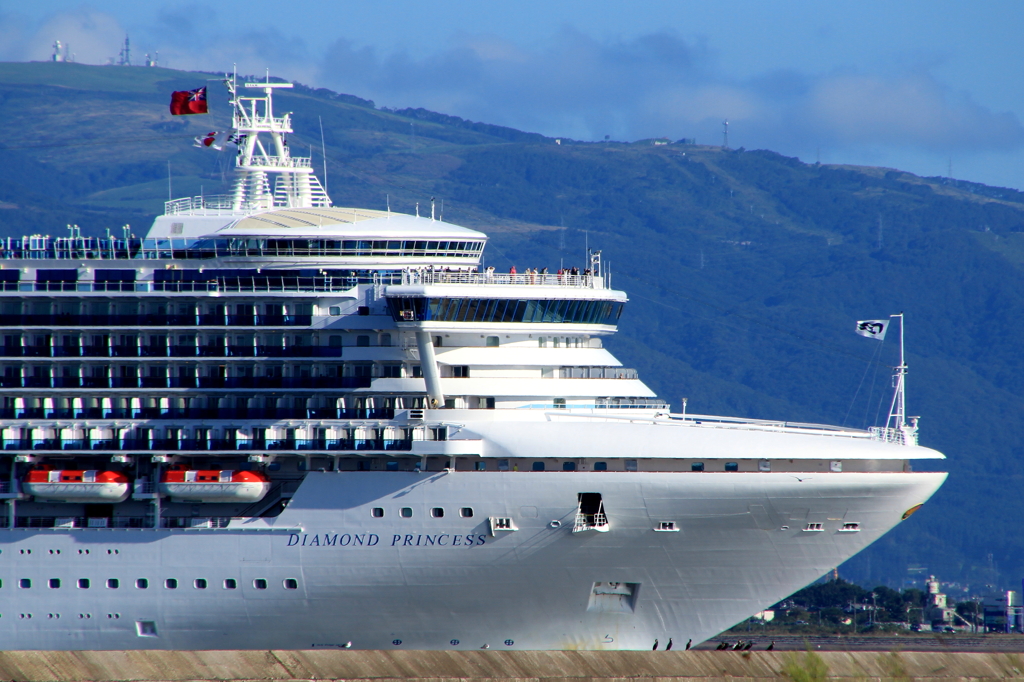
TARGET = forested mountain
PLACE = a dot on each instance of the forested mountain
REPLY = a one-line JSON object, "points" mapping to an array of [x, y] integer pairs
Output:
{"points": [[746, 270]]}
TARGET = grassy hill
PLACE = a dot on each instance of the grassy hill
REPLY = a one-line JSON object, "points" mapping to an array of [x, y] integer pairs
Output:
{"points": [[745, 269]]}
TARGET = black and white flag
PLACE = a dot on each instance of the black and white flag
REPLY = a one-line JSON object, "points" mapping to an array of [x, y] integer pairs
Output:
{"points": [[873, 329]]}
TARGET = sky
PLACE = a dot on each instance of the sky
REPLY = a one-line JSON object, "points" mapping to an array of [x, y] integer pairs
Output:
{"points": [[931, 87]]}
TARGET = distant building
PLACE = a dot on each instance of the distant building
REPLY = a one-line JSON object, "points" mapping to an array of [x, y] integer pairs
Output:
{"points": [[687, 140], [1002, 612], [936, 609]]}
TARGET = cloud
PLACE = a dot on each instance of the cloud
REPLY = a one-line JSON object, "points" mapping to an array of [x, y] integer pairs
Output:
{"points": [[660, 84]]}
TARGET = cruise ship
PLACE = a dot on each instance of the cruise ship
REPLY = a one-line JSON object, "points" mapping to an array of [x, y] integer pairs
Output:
{"points": [[275, 423]]}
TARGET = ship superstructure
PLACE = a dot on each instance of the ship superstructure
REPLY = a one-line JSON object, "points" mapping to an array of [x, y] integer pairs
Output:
{"points": [[277, 423]]}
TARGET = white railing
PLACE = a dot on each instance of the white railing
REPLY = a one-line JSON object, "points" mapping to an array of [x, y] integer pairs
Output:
{"points": [[215, 202], [890, 435], [584, 522], [258, 162], [502, 279]]}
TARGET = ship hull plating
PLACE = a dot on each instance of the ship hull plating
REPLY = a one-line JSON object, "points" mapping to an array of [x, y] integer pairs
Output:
{"points": [[330, 572]]}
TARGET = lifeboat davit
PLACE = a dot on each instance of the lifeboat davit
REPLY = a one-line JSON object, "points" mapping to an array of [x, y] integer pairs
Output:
{"points": [[196, 485], [66, 485]]}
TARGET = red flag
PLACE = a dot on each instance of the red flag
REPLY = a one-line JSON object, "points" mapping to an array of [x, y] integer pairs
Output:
{"points": [[188, 102]]}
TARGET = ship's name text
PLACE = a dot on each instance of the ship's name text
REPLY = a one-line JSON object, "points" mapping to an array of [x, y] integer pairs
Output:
{"points": [[373, 540]]}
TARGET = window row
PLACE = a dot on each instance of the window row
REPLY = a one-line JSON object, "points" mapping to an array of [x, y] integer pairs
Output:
{"points": [[408, 309], [435, 512], [169, 583]]}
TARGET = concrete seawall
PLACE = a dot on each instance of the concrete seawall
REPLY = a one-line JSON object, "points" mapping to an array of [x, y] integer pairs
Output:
{"points": [[504, 666]]}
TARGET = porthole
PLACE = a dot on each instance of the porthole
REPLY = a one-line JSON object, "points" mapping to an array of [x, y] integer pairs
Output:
{"points": [[200, 583], [25, 583], [396, 642], [377, 512], [83, 583], [509, 642], [113, 583], [171, 583], [600, 466], [54, 583], [455, 642], [291, 584], [406, 512], [142, 583], [697, 466], [466, 512], [230, 584], [437, 512], [260, 583], [732, 466]]}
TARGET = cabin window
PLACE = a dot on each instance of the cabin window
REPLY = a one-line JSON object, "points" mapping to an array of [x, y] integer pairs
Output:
{"points": [[460, 371], [480, 466], [732, 466], [83, 583], [25, 583], [230, 584], [113, 583], [335, 310], [538, 466], [437, 512], [54, 583], [600, 466], [200, 583], [406, 512], [568, 466], [764, 466], [291, 584], [631, 465], [377, 512], [334, 341], [362, 341], [502, 465], [466, 512], [171, 583], [260, 583], [697, 466], [492, 341], [542, 342], [142, 583], [391, 466]]}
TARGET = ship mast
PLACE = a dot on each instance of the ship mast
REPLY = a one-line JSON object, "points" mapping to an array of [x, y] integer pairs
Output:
{"points": [[295, 185], [898, 420]]}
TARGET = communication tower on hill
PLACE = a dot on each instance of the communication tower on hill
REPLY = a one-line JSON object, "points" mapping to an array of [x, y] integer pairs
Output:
{"points": [[124, 58]]}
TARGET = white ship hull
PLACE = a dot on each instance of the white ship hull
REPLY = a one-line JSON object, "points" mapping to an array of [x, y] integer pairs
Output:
{"points": [[427, 582]]}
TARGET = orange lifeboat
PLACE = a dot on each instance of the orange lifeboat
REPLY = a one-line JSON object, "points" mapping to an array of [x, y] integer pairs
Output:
{"points": [[67, 485], [198, 485]]}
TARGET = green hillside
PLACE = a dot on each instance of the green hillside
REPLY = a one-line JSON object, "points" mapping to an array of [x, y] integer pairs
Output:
{"points": [[745, 269]]}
